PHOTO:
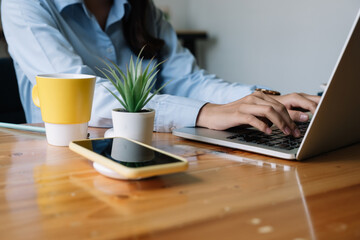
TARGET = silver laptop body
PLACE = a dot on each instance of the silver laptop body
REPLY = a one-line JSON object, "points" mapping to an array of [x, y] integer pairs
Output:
{"points": [[335, 124]]}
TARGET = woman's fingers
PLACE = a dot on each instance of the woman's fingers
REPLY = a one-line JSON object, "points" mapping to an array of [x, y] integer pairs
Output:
{"points": [[302, 101], [268, 111], [221, 117], [253, 109], [255, 122], [282, 119], [299, 100], [313, 98], [298, 116]]}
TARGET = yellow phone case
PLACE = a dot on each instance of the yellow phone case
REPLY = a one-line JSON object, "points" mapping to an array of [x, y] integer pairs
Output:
{"points": [[127, 172]]}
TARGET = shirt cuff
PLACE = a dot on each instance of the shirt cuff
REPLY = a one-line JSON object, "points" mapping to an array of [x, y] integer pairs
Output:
{"points": [[173, 112]]}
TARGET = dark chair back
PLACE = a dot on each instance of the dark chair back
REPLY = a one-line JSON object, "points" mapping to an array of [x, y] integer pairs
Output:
{"points": [[11, 110]]}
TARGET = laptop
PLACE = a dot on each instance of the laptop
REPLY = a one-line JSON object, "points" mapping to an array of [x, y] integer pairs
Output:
{"points": [[335, 123]]}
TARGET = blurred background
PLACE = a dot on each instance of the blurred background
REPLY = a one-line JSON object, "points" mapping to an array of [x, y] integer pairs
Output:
{"points": [[287, 45]]}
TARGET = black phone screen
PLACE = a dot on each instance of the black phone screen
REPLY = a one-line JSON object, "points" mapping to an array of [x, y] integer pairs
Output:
{"points": [[126, 152]]}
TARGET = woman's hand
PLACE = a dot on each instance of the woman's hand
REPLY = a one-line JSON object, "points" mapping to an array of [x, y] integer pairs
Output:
{"points": [[295, 101], [257, 109]]}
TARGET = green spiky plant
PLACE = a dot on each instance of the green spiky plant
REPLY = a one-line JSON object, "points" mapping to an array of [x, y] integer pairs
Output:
{"points": [[135, 86]]}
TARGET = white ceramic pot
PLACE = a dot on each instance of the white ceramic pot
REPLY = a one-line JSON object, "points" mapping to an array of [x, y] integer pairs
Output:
{"points": [[137, 126]]}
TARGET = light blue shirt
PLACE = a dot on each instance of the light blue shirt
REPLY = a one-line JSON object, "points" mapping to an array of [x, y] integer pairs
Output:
{"points": [[62, 36]]}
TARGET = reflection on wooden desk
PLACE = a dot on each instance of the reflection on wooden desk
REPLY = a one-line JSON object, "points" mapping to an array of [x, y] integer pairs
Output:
{"points": [[52, 193]]}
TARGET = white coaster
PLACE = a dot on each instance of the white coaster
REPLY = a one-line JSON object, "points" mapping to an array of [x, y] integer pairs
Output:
{"points": [[109, 133], [107, 172]]}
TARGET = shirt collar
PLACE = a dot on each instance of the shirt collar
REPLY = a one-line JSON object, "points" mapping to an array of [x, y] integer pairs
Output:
{"points": [[118, 11], [61, 4], [118, 5]]}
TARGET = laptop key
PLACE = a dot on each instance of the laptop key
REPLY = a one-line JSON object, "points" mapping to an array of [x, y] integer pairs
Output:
{"points": [[276, 139]]}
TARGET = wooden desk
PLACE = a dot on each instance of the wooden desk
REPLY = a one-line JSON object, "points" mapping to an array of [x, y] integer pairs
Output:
{"points": [[52, 193]]}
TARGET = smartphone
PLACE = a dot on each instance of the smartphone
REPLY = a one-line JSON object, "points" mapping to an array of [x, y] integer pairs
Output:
{"points": [[129, 158]]}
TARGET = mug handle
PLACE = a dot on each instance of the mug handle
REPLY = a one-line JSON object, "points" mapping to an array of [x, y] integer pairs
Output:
{"points": [[35, 96]]}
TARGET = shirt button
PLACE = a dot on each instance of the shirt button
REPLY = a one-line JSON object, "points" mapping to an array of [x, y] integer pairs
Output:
{"points": [[109, 50]]}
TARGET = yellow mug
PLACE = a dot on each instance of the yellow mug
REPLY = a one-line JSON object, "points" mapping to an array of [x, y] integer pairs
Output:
{"points": [[65, 101], [64, 98]]}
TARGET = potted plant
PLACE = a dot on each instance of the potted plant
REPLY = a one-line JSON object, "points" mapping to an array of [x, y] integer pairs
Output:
{"points": [[134, 87]]}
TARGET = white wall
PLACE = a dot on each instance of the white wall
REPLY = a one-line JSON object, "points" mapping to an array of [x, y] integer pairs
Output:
{"points": [[178, 11], [288, 45]]}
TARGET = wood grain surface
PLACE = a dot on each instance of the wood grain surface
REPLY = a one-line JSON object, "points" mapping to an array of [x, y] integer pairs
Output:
{"points": [[49, 192]]}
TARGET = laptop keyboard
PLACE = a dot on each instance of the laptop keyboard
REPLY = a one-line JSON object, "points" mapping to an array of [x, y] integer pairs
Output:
{"points": [[276, 139]]}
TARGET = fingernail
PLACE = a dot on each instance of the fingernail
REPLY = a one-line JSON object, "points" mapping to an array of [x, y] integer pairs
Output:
{"points": [[304, 117], [297, 132], [287, 131], [268, 130]]}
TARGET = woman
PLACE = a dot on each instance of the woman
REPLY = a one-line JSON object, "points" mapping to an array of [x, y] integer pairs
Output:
{"points": [[49, 36]]}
